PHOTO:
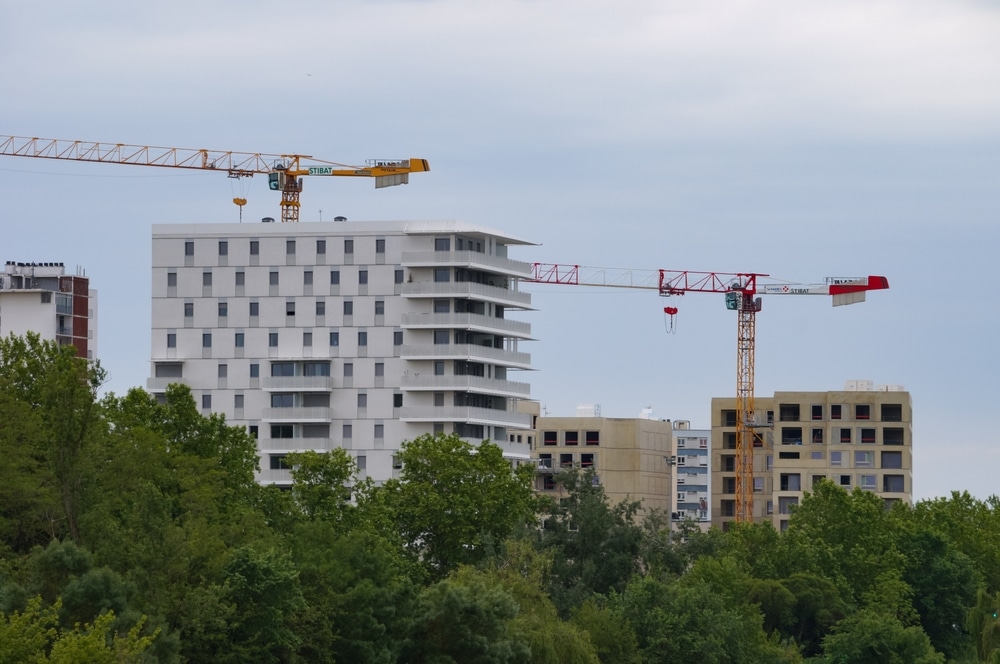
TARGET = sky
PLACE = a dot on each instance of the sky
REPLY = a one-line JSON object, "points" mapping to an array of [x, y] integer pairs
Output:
{"points": [[798, 138]]}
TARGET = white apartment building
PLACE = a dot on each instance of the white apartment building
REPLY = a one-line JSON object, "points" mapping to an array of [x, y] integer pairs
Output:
{"points": [[692, 456], [343, 334], [42, 298]]}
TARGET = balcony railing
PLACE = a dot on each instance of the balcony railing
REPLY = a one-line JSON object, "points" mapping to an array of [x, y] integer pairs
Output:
{"points": [[467, 352], [467, 289], [477, 384], [468, 321], [470, 414], [473, 259], [277, 383], [298, 414], [160, 384]]}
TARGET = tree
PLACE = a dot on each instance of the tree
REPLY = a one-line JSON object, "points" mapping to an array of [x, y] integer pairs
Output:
{"points": [[61, 389], [453, 501], [320, 486], [872, 637]]}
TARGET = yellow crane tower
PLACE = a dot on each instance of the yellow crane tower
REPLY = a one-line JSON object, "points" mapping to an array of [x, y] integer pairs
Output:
{"points": [[284, 171]]}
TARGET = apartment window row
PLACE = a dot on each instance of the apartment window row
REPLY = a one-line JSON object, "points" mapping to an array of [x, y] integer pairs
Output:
{"points": [[290, 308], [287, 431], [571, 437], [274, 279], [273, 338], [290, 247], [845, 435]]}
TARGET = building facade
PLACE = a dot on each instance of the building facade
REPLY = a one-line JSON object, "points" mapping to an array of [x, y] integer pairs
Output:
{"points": [[692, 458], [630, 457], [358, 335], [42, 298], [861, 437]]}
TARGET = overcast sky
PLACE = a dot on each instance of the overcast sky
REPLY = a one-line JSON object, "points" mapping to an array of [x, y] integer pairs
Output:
{"points": [[799, 138]]}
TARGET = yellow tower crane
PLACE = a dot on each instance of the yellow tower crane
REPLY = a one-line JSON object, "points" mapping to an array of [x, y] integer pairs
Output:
{"points": [[284, 171]]}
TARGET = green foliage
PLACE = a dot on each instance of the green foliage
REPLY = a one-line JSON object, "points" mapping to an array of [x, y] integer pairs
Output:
{"points": [[873, 637], [454, 501], [610, 633], [321, 484]]}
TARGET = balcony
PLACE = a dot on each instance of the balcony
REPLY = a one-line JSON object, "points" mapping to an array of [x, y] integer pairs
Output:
{"points": [[297, 383], [160, 384], [474, 384], [466, 321], [277, 476], [283, 445], [470, 259], [297, 414], [469, 414], [471, 352], [468, 289]]}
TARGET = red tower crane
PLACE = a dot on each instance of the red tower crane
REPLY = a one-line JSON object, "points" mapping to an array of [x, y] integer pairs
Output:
{"points": [[741, 290]]}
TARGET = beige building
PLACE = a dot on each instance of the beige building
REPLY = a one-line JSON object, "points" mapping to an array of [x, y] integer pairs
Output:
{"points": [[860, 437], [631, 457]]}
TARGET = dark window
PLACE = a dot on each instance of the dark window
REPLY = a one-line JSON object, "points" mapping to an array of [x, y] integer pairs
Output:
{"points": [[316, 369], [729, 463], [362, 400], [893, 484], [379, 246], [729, 485], [362, 277], [334, 277], [223, 248], [379, 307], [893, 436], [282, 400], [188, 309], [593, 437], [348, 246], [307, 278], [835, 412], [398, 276], [362, 338], [845, 435], [206, 401], [239, 340], [442, 274], [254, 247], [282, 369], [817, 436], [379, 369], [791, 482], [254, 309], [282, 431], [206, 340], [307, 338], [729, 441], [892, 459], [223, 309], [868, 436], [290, 308], [817, 412], [348, 431], [290, 247], [272, 339], [171, 280], [442, 244], [320, 307], [254, 370], [320, 246], [892, 412], [189, 248], [438, 368], [273, 278], [397, 338], [241, 278], [572, 437], [348, 308], [397, 400], [335, 338], [441, 337], [788, 412], [206, 278], [550, 437], [862, 411], [729, 418]]}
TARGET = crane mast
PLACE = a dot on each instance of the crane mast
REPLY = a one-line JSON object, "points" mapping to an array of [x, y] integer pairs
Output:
{"points": [[740, 289]]}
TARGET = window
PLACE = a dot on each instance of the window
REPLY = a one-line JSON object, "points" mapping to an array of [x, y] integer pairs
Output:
{"points": [[816, 479], [316, 369], [282, 369], [817, 412], [223, 309], [729, 441], [334, 277], [223, 370], [348, 369], [379, 369], [868, 436], [282, 431], [362, 277], [438, 368], [206, 340], [442, 274], [572, 437], [835, 458], [379, 307], [188, 309], [816, 454], [348, 431], [189, 248], [282, 400], [362, 338], [241, 278], [892, 459], [348, 308], [892, 412], [728, 485], [206, 279], [397, 338], [442, 306], [237, 401], [206, 401], [273, 278], [864, 459], [893, 436], [817, 436], [320, 307], [169, 370], [728, 463], [379, 428], [272, 339], [254, 309], [442, 244], [171, 280], [239, 339], [254, 247], [845, 435], [307, 278], [593, 437], [255, 371], [290, 308], [290, 247], [223, 248], [397, 400], [845, 480], [867, 482], [441, 337], [893, 484], [307, 339], [791, 482], [550, 437], [335, 338], [348, 246], [788, 412], [380, 246], [758, 485], [362, 400], [835, 412], [398, 276], [729, 418], [279, 462], [320, 247], [862, 411]]}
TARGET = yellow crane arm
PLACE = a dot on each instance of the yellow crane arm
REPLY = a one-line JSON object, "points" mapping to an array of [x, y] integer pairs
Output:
{"points": [[283, 170]]}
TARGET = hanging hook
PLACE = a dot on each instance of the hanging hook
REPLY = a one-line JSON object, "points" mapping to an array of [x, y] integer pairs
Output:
{"points": [[669, 320]]}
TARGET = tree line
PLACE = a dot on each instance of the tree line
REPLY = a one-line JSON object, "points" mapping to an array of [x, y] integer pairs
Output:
{"points": [[132, 530]]}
